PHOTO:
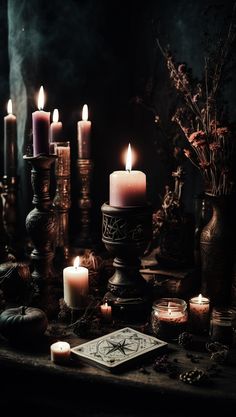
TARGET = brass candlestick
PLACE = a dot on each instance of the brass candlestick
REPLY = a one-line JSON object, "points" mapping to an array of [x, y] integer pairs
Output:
{"points": [[85, 168], [126, 234], [62, 201], [41, 224]]}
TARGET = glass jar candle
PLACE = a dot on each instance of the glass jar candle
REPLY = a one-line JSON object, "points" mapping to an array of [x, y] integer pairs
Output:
{"points": [[221, 326], [169, 318]]}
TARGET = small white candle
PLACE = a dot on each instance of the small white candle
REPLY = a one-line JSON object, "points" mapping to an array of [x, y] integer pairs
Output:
{"points": [[60, 352], [199, 310], [55, 131], [106, 311], [84, 131], [127, 188], [76, 285]]}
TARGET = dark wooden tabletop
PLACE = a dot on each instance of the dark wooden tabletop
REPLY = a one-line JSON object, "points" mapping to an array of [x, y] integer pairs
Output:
{"points": [[81, 389]]}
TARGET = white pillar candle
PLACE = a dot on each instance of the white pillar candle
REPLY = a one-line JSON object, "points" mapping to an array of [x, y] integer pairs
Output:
{"points": [[106, 311], [60, 352], [76, 284], [127, 188], [199, 310]]}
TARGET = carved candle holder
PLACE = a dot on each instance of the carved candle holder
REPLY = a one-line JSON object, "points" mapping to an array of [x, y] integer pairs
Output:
{"points": [[9, 197], [41, 224], [85, 168], [62, 198], [126, 234], [3, 236]]}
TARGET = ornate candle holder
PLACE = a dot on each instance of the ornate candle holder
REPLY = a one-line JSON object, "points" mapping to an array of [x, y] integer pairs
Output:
{"points": [[9, 195], [85, 168], [62, 197], [126, 234], [3, 237], [41, 224]]}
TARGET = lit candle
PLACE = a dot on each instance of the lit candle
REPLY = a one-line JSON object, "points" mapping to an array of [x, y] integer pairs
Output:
{"points": [[84, 131], [55, 133], [75, 279], [106, 311], [199, 311], [60, 352], [169, 318], [127, 188], [41, 121], [10, 149]]}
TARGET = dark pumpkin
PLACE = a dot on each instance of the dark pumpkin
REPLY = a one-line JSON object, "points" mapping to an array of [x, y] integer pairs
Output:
{"points": [[23, 323]]}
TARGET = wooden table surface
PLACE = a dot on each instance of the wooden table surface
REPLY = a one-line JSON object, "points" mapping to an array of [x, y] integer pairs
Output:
{"points": [[81, 389]]}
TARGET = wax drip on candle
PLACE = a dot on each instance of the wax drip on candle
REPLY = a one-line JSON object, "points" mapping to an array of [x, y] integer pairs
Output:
{"points": [[128, 165], [9, 107], [41, 98]]}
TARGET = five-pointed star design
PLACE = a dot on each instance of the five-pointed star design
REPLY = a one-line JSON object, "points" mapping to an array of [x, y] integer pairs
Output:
{"points": [[121, 346]]}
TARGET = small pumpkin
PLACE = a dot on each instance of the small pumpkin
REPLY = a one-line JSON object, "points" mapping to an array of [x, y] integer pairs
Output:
{"points": [[23, 323]]}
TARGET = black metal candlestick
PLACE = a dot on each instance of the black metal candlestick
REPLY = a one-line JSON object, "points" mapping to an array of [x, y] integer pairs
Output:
{"points": [[126, 234], [85, 168], [41, 224], [9, 195]]}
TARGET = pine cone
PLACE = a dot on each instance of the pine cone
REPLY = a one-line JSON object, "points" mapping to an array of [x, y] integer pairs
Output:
{"points": [[185, 339], [161, 364], [219, 356], [194, 377], [213, 347]]}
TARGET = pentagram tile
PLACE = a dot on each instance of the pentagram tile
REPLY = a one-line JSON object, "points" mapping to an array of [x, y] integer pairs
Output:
{"points": [[117, 349]]}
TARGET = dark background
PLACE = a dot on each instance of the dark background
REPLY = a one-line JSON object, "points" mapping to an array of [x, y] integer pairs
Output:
{"points": [[103, 53]]}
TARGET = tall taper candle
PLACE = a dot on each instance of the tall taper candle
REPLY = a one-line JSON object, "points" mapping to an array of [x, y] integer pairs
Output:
{"points": [[55, 127], [84, 130], [10, 142], [41, 122]]}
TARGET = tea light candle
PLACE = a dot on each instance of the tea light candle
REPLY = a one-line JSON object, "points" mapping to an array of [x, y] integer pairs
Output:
{"points": [[55, 131], [199, 312], [106, 311], [41, 121], [10, 147], [84, 131], [75, 280], [60, 352], [127, 188]]}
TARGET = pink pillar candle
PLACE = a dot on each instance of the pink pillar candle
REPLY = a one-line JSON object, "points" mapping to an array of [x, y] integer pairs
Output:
{"points": [[84, 132], [199, 313], [41, 122], [127, 188], [10, 142], [76, 284], [55, 131]]}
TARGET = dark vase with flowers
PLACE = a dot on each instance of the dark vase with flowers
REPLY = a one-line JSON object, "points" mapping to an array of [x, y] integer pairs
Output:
{"points": [[217, 248]]}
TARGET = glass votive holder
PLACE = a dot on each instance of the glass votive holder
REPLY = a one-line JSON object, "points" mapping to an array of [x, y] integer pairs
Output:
{"points": [[221, 326], [169, 318], [62, 164], [199, 314]]}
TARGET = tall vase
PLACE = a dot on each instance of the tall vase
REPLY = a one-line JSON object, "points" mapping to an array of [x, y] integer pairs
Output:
{"points": [[217, 252]]}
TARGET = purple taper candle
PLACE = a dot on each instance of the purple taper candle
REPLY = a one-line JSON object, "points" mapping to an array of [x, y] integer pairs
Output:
{"points": [[41, 123]]}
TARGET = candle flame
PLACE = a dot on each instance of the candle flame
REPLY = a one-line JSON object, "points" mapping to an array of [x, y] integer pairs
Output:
{"points": [[199, 298], [9, 107], [128, 165], [106, 305], [41, 98], [55, 116], [85, 113], [169, 309], [77, 262]]}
